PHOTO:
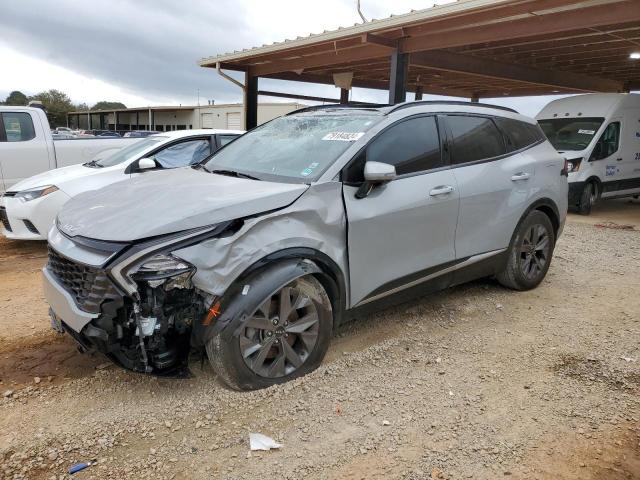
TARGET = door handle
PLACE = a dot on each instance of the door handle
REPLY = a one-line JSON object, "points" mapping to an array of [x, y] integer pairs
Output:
{"points": [[441, 190], [618, 159], [521, 176]]}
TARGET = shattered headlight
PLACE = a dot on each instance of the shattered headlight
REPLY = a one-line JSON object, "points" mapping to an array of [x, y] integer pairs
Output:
{"points": [[161, 266], [32, 194]]}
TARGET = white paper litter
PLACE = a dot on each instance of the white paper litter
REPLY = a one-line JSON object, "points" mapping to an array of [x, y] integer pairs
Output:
{"points": [[258, 441]]}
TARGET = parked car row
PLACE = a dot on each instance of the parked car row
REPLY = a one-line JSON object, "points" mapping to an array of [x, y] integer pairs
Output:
{"points": [[257, 252], [65, 133]]}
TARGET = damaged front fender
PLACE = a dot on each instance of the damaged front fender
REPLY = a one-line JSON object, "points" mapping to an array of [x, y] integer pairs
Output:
{"points": [[242, 301]]}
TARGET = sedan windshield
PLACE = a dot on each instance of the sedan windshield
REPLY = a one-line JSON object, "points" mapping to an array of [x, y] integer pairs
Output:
{"points": [[296, 148], [130, 152], [570, 133]]}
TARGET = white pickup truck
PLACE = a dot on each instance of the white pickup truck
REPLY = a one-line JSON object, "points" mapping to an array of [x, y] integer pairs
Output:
{"points": [[27, 147]]}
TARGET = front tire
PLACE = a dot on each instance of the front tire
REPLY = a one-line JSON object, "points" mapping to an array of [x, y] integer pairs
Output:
{"points": [[530, 253], [588, 198], [286, 337]]}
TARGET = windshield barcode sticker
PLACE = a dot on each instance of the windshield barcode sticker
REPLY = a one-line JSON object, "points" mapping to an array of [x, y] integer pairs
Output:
{"points": [[343, 136], [586, 132]]}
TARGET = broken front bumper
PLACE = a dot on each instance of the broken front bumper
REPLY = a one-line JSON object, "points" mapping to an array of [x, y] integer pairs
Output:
{"points": [[63, 305]]}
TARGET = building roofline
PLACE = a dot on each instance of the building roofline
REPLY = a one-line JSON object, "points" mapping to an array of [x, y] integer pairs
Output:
{"points": [[179, 107]]}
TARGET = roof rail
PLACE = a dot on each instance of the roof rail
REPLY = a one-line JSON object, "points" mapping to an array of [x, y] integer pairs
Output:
{"points": [[361, 105], [448, 102]]}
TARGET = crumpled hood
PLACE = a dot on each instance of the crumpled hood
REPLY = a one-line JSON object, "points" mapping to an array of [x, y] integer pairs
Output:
{"points": [[163, 202], [55, 177]]}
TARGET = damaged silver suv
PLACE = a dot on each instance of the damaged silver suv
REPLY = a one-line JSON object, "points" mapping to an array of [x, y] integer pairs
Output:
{"points": [[258, 254]]}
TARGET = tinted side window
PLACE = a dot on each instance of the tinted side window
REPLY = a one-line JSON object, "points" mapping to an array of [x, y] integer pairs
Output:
{"points": [[183, 154], [18, 127], [608, 143], [474, 138], [519, 134]]}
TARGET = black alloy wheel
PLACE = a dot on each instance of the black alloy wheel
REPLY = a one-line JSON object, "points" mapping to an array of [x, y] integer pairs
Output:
{"points": [[281, 334], [534, 251], [529, 253]]}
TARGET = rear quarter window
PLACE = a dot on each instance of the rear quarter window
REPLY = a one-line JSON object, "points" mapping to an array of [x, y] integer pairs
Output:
{"points": [[474, 139], [519, 135]]}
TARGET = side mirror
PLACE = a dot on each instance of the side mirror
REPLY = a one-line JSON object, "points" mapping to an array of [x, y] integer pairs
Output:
{"points": [[375, 173], [378, 172], [146, 164]]}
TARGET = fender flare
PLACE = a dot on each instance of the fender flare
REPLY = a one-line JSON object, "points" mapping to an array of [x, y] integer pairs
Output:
{"points": [[239, 303], [543, 204]]}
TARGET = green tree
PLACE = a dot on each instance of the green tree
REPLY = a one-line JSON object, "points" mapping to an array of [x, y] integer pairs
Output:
{"points": [[81, 107], [104, 105], [57, 104], [16, 98]]}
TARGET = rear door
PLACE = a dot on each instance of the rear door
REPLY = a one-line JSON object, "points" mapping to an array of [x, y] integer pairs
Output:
{"points": [[403, 232], [495, 184]]}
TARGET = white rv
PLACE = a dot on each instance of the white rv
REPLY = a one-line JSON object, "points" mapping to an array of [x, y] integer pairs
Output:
{"points": [[599, 135]]}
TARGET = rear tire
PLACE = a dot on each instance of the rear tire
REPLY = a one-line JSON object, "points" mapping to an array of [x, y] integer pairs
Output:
{"points": [[588, 198], [530, 253], [285, 338]]}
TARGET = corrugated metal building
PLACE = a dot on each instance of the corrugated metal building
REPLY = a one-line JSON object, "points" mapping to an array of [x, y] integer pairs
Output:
{"points": [[169, 118]]}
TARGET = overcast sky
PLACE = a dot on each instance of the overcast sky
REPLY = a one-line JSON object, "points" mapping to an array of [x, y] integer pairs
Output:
{"points": [[145, 52]]}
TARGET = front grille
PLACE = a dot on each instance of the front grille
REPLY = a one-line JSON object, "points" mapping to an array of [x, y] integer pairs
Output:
{"points": [[31, 227], [4, 219], [89, 286]]}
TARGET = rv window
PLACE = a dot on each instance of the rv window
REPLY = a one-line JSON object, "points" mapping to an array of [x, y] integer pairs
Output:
{"points": [[571, 133]]}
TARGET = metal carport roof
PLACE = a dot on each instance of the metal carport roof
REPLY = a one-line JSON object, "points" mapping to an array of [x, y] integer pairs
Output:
{"points": [[470, 48]]}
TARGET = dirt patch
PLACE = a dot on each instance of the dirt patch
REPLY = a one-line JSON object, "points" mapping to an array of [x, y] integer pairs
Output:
{"points": [[593, 370], [49, 356]]}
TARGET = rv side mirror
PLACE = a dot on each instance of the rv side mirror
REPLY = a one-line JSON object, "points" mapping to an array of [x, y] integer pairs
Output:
{"points": [[146, 164], [375, 173]]}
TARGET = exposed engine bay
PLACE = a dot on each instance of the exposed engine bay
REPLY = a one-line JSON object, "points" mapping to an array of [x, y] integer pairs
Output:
{"points": [[150, 331]]}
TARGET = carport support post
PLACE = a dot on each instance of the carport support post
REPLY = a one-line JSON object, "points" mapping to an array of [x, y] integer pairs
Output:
{"points": [[344, 96], [115, 119], [250, 101], [419, 92], [89, 121], [475, 98], [398, 77]]}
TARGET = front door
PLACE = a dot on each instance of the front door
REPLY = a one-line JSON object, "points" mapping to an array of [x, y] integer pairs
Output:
{"points": [[403, 232], [609, 160]]}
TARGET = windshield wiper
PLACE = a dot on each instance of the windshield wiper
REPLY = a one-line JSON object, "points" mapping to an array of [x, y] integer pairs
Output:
{"points": [[233, 173], [92, 163]]}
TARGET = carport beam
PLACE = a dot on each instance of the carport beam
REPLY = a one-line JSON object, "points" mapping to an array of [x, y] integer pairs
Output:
{"points": [[250, 101], [398, 77]]}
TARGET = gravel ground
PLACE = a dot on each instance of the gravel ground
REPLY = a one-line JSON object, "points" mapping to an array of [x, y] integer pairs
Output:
{"points": [[474, 382]]}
